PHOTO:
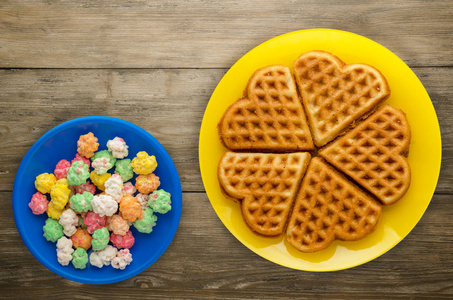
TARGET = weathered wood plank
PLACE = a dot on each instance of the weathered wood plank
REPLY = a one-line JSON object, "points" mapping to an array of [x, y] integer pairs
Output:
{"points": [[205, 261], [206, 34], [168, 103]]}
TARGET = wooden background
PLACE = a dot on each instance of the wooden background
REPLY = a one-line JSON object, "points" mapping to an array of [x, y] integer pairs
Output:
{"points": [[156, 63]]}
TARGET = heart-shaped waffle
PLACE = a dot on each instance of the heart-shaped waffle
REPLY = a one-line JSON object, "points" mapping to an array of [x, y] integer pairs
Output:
{"points": [[374, 154], [270, 117], [329, 207], [335, 95], [265, 185]]}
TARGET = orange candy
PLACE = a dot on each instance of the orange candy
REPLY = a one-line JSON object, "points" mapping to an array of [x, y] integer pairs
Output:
{"points": [[87, 145], [81, 239], [130, 208], [147, 184]]}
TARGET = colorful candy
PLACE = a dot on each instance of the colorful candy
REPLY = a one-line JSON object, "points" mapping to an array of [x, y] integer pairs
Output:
{"points": [[122, 241], [84, 187], [128, 189], [79, 258], [52, 230], [118, 147], [62, 168], [146, 184], [99, 180], [123, 258], [146, 224], [104, 205], [44, 182], [53, 212], [69, 221], [114, 187], [100, 239], [124, 169], [78, 157], [38, 203], [64, 251], [94, 221], [81, 202], [81, 239], [143, 163], [78, 173], [130, 208], [103, 257], [143, 199], [160, 201], [87, 145], [102, 161], [117, 225]]}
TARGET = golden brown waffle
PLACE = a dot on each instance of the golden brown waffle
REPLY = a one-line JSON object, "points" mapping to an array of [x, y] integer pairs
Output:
{"points": [[270, 117], [335, 95], [373, 154], [265, 185], [329, 207]]}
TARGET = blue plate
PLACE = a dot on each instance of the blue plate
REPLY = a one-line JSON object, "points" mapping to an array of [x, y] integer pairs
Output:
{"points": [[61, 143]]}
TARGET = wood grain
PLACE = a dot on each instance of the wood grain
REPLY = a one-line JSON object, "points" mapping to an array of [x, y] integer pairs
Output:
{"points": [[205, 261], [206, 34], [34, 101]]}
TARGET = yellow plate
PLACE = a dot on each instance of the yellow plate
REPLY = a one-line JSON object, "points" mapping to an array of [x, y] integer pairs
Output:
{"points": [[407, 93]]}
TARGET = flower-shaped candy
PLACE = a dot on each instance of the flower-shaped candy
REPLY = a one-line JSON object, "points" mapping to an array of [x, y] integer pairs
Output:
{"points": [[160, 201], [64, 251], [118, 147], [146, 224], [94, 221], [38, 203], [143, 163], [124, 169], [84, 187], [99, 180], [117, 225], [78, 173], [114, 186], [81, 202], [122, 241], [69, 221], [60, 194], [81, 239], [122, 260], [146, 184], [79, 258], [130, 208], [128, 189], [100, 239], [103, 257], [62, 168], [78, 157], [44, 182], [52, 230], [104, 205], [143, 200], [102, 161], [87, 145]]}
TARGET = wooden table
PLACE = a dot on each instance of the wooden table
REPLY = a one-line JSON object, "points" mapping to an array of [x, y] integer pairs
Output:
{"points": [[156, 63]]}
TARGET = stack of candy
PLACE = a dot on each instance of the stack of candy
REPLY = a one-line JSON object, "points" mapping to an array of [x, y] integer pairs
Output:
{"points": [[88, 209]]}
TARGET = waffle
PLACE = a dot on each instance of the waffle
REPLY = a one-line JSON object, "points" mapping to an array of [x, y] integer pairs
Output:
{"points": [[265, 185], [270, 117], [373, 154], [336, 95], [329, 207]]}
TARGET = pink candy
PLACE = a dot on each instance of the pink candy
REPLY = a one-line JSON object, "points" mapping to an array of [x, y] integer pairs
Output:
{"points": [[94, 221], [62, 168], [38, 203], [122, 241], [82, 158], [85, 187]]}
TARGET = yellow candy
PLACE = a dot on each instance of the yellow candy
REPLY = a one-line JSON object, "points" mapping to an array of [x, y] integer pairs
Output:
{"points": [[44, 182], [99, 180], [143, 163], [60, 194], [53, 212]]}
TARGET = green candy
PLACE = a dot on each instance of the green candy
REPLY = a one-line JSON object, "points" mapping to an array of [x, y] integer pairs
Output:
{"points": [[146, 224], [81, 202], [100, 239], [106, 154], [82, 224], [80, 177], [52, 230], [79, 258], [160, 201], [124, 169]]}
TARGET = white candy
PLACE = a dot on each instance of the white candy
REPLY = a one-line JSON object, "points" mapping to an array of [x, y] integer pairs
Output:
{"points": [[123, 258], [69, 221], [114, 187], [64, 251], [129, 189], [104, 205], [103, 257], [118, 147], [101, 165], [143, 199]]}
